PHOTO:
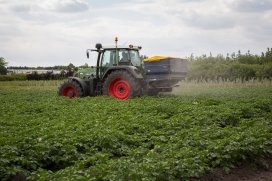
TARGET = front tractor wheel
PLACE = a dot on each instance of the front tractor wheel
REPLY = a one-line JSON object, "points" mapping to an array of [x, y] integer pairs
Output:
{"points": [[70, 89], [121, 85]]}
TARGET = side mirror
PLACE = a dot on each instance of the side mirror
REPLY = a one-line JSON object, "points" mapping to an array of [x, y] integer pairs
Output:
{"points": [[88, 54], [98, 46]]}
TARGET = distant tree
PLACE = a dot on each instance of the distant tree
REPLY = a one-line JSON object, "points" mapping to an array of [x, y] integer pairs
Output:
{"points": [[239, 53], [210, 54], [3, 69], [227, 58], [192, 57], [267, 58], [62, 73], [233, 56], [71, 69], [84, 66]]}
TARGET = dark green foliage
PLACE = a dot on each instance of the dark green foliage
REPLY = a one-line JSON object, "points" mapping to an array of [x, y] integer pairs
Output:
{"points": [[12, 77], [3, 69], [238, 66], [45, 137], [48, 76], [33, 76]]}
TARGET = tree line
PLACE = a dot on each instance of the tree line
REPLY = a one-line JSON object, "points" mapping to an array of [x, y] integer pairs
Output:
{"points": [[231, 67], [63, 72]]}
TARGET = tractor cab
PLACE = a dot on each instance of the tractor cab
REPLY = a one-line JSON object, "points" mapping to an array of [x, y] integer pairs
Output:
{"points": [[115, 57], [120, 56]]}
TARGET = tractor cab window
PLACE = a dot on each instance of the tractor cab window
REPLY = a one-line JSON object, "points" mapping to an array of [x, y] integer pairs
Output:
{"points": [[124, 57], [108, 59], [129, 57], [135, 58]]}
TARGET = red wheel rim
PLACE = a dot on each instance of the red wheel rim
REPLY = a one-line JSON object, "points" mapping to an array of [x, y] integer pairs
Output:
{"points": [[69, 92], [120, 89]]}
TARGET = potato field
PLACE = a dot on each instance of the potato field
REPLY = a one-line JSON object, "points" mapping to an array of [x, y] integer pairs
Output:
{"points": [[197, 129]]}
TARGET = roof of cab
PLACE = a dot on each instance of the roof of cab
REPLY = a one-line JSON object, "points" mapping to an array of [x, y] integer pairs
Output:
{"points": [[129, 47]]}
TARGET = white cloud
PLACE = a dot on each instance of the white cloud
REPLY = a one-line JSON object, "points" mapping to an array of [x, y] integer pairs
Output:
{"points": [[67, 6], [251, 5]]}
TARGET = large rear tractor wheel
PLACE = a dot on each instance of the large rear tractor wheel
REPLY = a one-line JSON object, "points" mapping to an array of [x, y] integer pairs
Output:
{"points": [[121, 85], [70, 89]]}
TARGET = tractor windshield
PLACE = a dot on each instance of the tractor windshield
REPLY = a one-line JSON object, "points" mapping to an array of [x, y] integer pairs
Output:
{"points": [[135, 58], [114, 57], [129, 57]]}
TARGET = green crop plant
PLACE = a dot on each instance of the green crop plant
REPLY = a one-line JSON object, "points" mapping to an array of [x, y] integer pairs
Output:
{"points": [[169, 137]]}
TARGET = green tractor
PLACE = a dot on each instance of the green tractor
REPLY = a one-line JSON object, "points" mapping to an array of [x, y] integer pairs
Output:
{"points": [[121, 73]]}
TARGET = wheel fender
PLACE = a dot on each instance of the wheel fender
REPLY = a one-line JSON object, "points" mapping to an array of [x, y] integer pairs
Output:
{"points": [[82, 83], [131, 69]]}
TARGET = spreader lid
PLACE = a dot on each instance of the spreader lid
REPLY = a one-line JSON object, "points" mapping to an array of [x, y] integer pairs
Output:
{"points": [[157, 58]]}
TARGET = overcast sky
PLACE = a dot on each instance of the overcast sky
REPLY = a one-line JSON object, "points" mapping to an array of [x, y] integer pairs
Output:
{"points": [[58, 32]]}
